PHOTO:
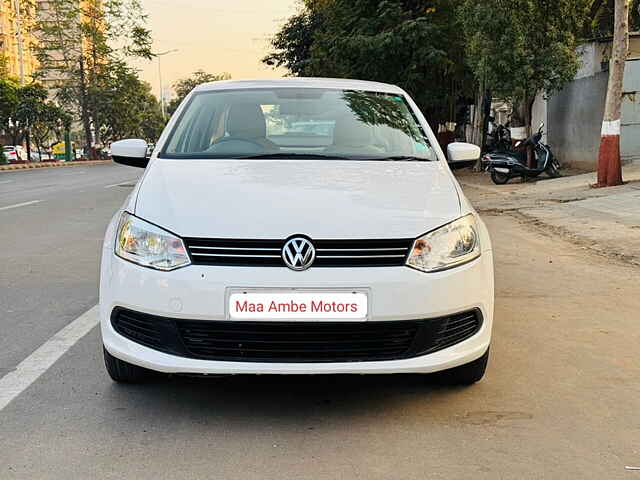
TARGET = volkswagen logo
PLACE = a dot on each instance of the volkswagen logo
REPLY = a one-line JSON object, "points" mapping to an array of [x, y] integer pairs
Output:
{"points": [[298, 254]]}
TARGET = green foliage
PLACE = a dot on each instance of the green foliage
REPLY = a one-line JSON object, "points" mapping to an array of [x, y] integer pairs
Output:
{"points": [[49, 124], [27, 107], [80, 44], [184, 86], [4, 69], [292, 44], [415, 44], [523, 47], [8, 100], [127, 107], [599, 21]]}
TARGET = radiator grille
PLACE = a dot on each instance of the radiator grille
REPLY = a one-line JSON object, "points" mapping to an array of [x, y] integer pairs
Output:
{"points": [[329, 253]]}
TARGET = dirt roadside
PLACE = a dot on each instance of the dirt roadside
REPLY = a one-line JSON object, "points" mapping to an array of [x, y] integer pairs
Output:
{"points": [[605, 221]]}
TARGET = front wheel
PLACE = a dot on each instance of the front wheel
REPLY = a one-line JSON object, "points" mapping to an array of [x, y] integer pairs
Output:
{"points": [[554, 169], [124, 372], [499, 178], [464, 374]]}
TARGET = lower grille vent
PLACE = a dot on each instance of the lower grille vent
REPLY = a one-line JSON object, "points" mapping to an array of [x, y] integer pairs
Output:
{"points": [[296, 341]]}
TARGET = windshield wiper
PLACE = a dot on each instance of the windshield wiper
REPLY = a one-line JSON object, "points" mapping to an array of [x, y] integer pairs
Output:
{"points": [[306, 156], [403, 158]]}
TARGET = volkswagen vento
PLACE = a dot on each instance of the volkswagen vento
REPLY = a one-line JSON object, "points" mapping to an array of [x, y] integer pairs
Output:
{"points": [[299, 226]]}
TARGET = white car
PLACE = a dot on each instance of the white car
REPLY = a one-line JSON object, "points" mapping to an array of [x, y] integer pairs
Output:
{"points": [[243, 250], [14, 153]]}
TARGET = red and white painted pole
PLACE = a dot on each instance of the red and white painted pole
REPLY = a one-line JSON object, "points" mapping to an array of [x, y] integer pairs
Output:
{"points": [[609, 164]]}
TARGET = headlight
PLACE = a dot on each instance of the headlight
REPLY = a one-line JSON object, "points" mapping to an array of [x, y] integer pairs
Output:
{"points": [[147, 245], [446, 247]]}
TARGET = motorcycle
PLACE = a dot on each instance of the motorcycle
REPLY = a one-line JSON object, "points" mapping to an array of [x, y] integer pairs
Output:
{"points": [[501, 139], [504, 166]]}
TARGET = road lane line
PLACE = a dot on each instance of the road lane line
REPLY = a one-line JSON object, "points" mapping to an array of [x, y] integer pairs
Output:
{"points": [[119, 184], [9, 207], [32, 367], [6, 181]]}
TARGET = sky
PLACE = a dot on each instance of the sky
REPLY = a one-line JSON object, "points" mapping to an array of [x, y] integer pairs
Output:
{"points": [[213, 35]]}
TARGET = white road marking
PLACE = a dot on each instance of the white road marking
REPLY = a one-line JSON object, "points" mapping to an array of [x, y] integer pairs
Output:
{"points": [[9, 207], [6, 181], [121, 183], [32, 367]]}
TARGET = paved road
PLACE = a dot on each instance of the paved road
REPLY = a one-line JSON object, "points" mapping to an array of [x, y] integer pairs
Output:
{"points": [[560, 400], [49, 250]]}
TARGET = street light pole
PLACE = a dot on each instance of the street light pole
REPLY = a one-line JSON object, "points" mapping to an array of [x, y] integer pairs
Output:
{"points": [[19, 40], [162, 105]]}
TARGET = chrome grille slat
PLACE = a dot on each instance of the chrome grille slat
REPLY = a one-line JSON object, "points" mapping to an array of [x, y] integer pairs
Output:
{"points": [[361, 256], [198, 247], [234, 256], [359, 249], [329, 253]]}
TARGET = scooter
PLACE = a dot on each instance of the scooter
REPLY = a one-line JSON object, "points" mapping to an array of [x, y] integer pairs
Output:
{"points": [[504, 166]]}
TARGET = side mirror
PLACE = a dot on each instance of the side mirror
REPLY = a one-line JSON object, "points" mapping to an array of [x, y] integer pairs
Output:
{"points": [[463, 152], [130, 152]]}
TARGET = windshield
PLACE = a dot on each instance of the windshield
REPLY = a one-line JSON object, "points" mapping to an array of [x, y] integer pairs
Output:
{"points": [[298, 122]]}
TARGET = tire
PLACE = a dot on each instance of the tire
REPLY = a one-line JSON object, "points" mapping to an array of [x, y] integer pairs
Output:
{"points": [[123, 372], [499, 178], [553, 171], [464, 374]]}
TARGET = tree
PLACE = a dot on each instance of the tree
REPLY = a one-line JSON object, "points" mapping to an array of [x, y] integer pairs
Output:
{"points": [[128, 108], [292, 44], [78, 44], [522, 48], [600, 20], [29, 107], [415, 44], [8, 101], [609, 164], [50, 121], [184, 86]]}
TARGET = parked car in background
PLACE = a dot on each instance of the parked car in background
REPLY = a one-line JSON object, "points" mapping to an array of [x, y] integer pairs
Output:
{"points": [[15, 153]]}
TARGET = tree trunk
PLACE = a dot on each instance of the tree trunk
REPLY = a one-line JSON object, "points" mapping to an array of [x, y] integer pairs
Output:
{"points": [[609, 164], [478, 123], [85, 113], [28, 139]]}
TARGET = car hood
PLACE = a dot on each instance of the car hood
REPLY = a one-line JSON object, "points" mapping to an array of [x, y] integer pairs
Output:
{"points": [[274, 199]]}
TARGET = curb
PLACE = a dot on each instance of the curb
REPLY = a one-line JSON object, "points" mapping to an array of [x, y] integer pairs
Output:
{"points": [[27, 166]]}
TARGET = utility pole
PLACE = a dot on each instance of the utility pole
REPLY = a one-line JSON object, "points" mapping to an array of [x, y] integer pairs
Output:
{"points": [[162, 104], [609, 164], [19, 40]]}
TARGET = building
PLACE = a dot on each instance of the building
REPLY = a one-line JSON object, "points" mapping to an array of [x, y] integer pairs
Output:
{"points": [[17, 20], [60, 54], [573, 116]]}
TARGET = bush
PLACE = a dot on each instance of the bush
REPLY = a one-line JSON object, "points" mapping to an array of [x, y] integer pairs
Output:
{"points": [[3, 158]]}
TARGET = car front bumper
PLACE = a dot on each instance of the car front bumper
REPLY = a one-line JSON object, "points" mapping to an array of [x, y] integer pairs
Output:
{"points": [[200, 293]]}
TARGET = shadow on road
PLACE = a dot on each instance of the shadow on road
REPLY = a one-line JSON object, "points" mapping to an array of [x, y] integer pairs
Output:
{"points": [[285, 399]]}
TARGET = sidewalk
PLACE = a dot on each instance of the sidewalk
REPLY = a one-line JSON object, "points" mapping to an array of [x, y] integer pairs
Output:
{"points": [[24, 166], [605, 220]]}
